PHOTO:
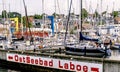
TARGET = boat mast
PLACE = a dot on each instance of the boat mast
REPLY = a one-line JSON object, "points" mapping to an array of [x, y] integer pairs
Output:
{"points": [[96, 16], [3, 16], [113, 12], [21, 17], [55, 19], [43, 16], [81, 14], [68, 22], [101, 14], [27, 20], [80, 19]]}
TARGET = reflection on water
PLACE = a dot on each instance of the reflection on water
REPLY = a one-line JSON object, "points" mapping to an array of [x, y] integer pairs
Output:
{"points": [[7, 70]]}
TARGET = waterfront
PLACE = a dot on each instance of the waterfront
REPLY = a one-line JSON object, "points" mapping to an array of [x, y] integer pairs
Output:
{"points": [[54, 59], [7, 70]]}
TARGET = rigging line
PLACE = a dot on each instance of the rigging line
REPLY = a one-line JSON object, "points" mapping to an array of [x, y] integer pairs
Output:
{"points": [[9, 11], [81, 19], [21, 16], [67, 22], [27, 20], [106, 16], [113, 11], [43, 18], [101, 6], [95, 12], [3, 4], [42, 6], [90, 12]]}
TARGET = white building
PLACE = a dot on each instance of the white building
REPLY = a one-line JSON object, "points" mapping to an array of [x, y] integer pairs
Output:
{"points": [[113, 29]]}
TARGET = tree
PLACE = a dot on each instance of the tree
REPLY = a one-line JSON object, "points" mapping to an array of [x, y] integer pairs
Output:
{"points": [[0, 16], [55, 15], [43, 15], [15, 14], [115, 13], [96, 14], [104, 12], [25, 22], [71, 31], [36, 16], [4, 14], [84, 13]]}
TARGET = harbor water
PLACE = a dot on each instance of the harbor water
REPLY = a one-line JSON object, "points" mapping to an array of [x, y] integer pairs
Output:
{"points": [[7, 70]]}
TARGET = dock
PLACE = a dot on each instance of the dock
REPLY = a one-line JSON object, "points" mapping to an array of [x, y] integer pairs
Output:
{"points": [[51, 60]]}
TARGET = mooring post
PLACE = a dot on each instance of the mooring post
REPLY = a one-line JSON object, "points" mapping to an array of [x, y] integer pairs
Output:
{"points": [[85, 51], [59, 50], [105, 50]]}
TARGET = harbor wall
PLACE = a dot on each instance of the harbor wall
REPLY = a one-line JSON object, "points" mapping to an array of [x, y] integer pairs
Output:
{"points": [[106, 64]]}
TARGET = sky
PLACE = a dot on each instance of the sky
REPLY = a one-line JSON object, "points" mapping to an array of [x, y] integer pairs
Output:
{"points": [[58, 6]]}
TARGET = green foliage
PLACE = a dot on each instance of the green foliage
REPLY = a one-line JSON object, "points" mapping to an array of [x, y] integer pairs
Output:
{"points": [[96, 14], [36, 16], [55, 15], [104, 12], [30, 24], [75, 28], [71, 31], [72, 13], [0, 16], [84, 13], [4, 14], [25, 22], [43, 15], [115, 13], [101, 23], [87, 22], [15, 14]]}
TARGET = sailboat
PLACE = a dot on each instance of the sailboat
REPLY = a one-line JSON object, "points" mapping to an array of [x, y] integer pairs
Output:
{"points": [[88, 46]]}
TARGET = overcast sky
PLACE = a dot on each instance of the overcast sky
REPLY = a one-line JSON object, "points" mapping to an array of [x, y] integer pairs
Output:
{"points": [[35, 6]]}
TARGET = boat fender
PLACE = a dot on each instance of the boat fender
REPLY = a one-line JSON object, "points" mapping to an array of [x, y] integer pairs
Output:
{"points": [[85, 51], [41, 41]]}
